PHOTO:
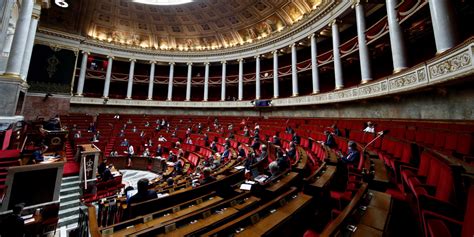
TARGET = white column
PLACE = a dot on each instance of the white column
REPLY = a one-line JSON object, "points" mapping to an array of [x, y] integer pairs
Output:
{"points": [[241, 78], [294, 70], [188, 82], [223, 78], [206, 81], [20, 38], [397, 44], [275, 75], [444, 24], [170, 82], [108, 77], [130, 79], [30, 41], [337, 56], [365, 72], [314, 64], [151, 81], [82, 74], [257, 77]]}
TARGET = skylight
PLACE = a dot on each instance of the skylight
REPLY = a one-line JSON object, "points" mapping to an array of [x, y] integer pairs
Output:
{"points": [[163, 2]]}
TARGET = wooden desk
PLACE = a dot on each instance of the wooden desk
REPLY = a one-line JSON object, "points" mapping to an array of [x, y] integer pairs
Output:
{"points": [[251, 200], [89, 148], [381, 174], [282, 214], [283, 182], [203, 223], [161, 220], [375, 218], [366, 231], [325, 177], [380, 200]]}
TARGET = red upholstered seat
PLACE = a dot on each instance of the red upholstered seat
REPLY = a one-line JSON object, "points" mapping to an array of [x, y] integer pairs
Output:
{"points": [[436, 224], [310, 233]]}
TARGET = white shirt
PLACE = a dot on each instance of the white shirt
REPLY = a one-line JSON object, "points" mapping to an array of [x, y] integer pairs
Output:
{"points": [[369, 129], [131, 151]]}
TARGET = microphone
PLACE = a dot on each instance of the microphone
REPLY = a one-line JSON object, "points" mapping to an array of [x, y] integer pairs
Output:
{"points": [[379, 135]]}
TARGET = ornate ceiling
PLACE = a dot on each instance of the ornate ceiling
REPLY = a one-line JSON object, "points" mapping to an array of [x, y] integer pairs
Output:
{"points": [[199, 25]]}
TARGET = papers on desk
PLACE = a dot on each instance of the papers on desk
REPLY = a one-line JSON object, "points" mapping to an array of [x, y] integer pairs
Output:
{"points": [[115, 173], [261, 178], [246, 187], [170, 163], [29, 220], [27, 217], [250, 182], [163, 195], [239, 167]]}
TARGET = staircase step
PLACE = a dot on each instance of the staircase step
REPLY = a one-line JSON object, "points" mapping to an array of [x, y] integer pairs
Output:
{"points": [[69, 204], [70, 178], [70, 184], [66, 191], [68, 220], [70, 197], [68, 212]]}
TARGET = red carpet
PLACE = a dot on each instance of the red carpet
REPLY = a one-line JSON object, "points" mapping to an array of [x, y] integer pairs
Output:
{"points": [[71, 168]]}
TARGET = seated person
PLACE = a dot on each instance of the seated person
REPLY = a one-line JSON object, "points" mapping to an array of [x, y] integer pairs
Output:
{"points": [[264, 153], [241, 151], [114, 153], [213, 146], [78, 134], [159, 150], [255, 144], [283, 162], [330, 142], [146, 152], [336, 130], [13, 225], [161, 138], [107, 174], [171, 157], [143, 193], [276, 140], [178, 167], [170, 182], [353, 155], [102, 166], [207, 176], [38, 154], [296, 139], [124, 142], [226, 154], [291, 152], [369, 128], [274, 170]]}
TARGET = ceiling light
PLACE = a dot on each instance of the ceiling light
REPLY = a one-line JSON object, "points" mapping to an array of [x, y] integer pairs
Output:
{"points": [[163, 2], [61, 3]]}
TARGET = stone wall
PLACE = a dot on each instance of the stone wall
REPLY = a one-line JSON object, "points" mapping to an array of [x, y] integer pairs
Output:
{"points": [[37, 106], [444, 103]]}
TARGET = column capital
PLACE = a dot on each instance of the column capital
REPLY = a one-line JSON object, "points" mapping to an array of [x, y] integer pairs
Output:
{"points": [[86, 52], [356, 3], [152, 62], [206, 63], [334, 22], [223, 62], [189, 63], [240, 60], [292, 45], [171, 63], [313, 35], [256, 56], [132, 60], [36, 11], [110, 57], [275, 51]]}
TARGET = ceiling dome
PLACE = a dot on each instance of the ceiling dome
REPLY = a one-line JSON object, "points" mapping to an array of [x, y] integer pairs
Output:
{"points": [[194, 26]]}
